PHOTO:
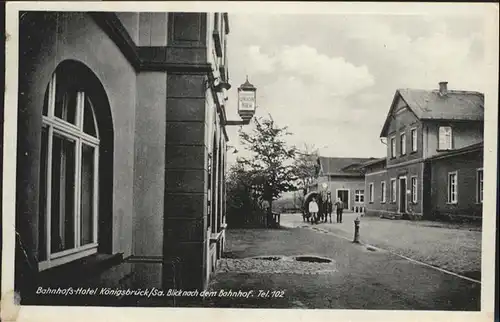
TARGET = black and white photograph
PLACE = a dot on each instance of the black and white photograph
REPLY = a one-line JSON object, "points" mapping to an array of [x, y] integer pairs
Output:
{"points": [[321, 157]]}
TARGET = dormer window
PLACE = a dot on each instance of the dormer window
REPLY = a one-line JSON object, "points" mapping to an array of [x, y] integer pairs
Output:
{"points": [[445, 138]]}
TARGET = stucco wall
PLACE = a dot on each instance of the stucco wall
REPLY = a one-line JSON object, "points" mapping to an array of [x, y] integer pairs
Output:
{"points": [[149, 181], [130, 21]]}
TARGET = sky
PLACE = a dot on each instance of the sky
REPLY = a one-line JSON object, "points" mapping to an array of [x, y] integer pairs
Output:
{"points": [[331, 78]]}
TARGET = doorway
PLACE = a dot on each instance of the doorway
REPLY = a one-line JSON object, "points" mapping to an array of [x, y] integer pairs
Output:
{"points": [[343, 194], [402, 195]]}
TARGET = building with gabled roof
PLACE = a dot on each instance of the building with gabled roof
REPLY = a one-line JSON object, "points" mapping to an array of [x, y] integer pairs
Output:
{"points": [[343, 178], [434, 157]]}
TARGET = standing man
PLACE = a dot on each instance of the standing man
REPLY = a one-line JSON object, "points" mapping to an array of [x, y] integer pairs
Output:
{"points": [[340, 207], [313, 210], [328, 207]]}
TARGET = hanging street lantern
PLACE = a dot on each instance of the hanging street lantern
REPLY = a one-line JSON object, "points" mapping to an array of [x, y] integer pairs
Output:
{"points": [[247, 100]]}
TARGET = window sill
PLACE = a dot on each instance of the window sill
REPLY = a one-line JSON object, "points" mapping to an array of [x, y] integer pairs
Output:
{"points": [[383, 202], [452, 203], [83, 268], [413, 152], [371, 202]]}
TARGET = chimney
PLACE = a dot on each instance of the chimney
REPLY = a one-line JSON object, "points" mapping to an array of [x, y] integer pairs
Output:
{"points": [[443, 88]]}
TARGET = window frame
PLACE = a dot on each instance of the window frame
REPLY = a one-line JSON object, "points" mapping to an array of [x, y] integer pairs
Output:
{"points": [[452, 197], [358, 195], [69, 132], [393, 146], [394, 195], [450, 142], [371, 192], [414, 139], [383, 192], [414, 189], [479, 186], [402, 143], [217, 34]]}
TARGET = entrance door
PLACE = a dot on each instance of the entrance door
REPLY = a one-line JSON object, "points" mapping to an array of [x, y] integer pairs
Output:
{"points": [[343, 194], [402, 195]]}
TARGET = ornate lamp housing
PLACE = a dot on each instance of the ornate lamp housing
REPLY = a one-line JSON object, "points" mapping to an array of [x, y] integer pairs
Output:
{"points": [[247, 96]]}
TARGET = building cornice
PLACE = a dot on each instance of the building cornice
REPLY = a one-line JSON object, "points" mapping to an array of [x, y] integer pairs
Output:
{"points": [[155, 58], [469, 149], [401, 164], [145, 58]]}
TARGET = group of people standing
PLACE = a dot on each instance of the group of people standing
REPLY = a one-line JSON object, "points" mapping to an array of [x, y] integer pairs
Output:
{"points": [[321, 210]]}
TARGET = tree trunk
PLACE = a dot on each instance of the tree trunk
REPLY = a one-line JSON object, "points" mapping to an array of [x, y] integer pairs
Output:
{"points": [[269, 214]]}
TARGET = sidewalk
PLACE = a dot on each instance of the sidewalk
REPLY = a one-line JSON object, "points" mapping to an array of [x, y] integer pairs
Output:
{"points": [[452, 247], [360, 278]]}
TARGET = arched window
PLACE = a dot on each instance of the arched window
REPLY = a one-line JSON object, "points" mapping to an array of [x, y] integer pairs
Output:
{"points": [[68, 216]]}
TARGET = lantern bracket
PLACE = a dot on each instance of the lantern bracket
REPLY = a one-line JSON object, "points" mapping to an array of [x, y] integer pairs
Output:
{"points": [[241, 122], [219, 86]]}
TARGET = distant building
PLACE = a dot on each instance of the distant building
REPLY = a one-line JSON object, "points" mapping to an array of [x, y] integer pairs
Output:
{"points": [[344, 178], [434, 163], [121, 146]]}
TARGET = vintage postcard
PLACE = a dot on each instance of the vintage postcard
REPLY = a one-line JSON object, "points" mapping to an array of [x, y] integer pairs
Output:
{"points": [[250, 161]]}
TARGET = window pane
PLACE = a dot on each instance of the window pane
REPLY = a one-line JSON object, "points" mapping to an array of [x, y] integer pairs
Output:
{"points": [[42, 212], [87, 196], [88, 119], [444, 137], [65, 105], [63, 187], [46, 101], [414, 140]]}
